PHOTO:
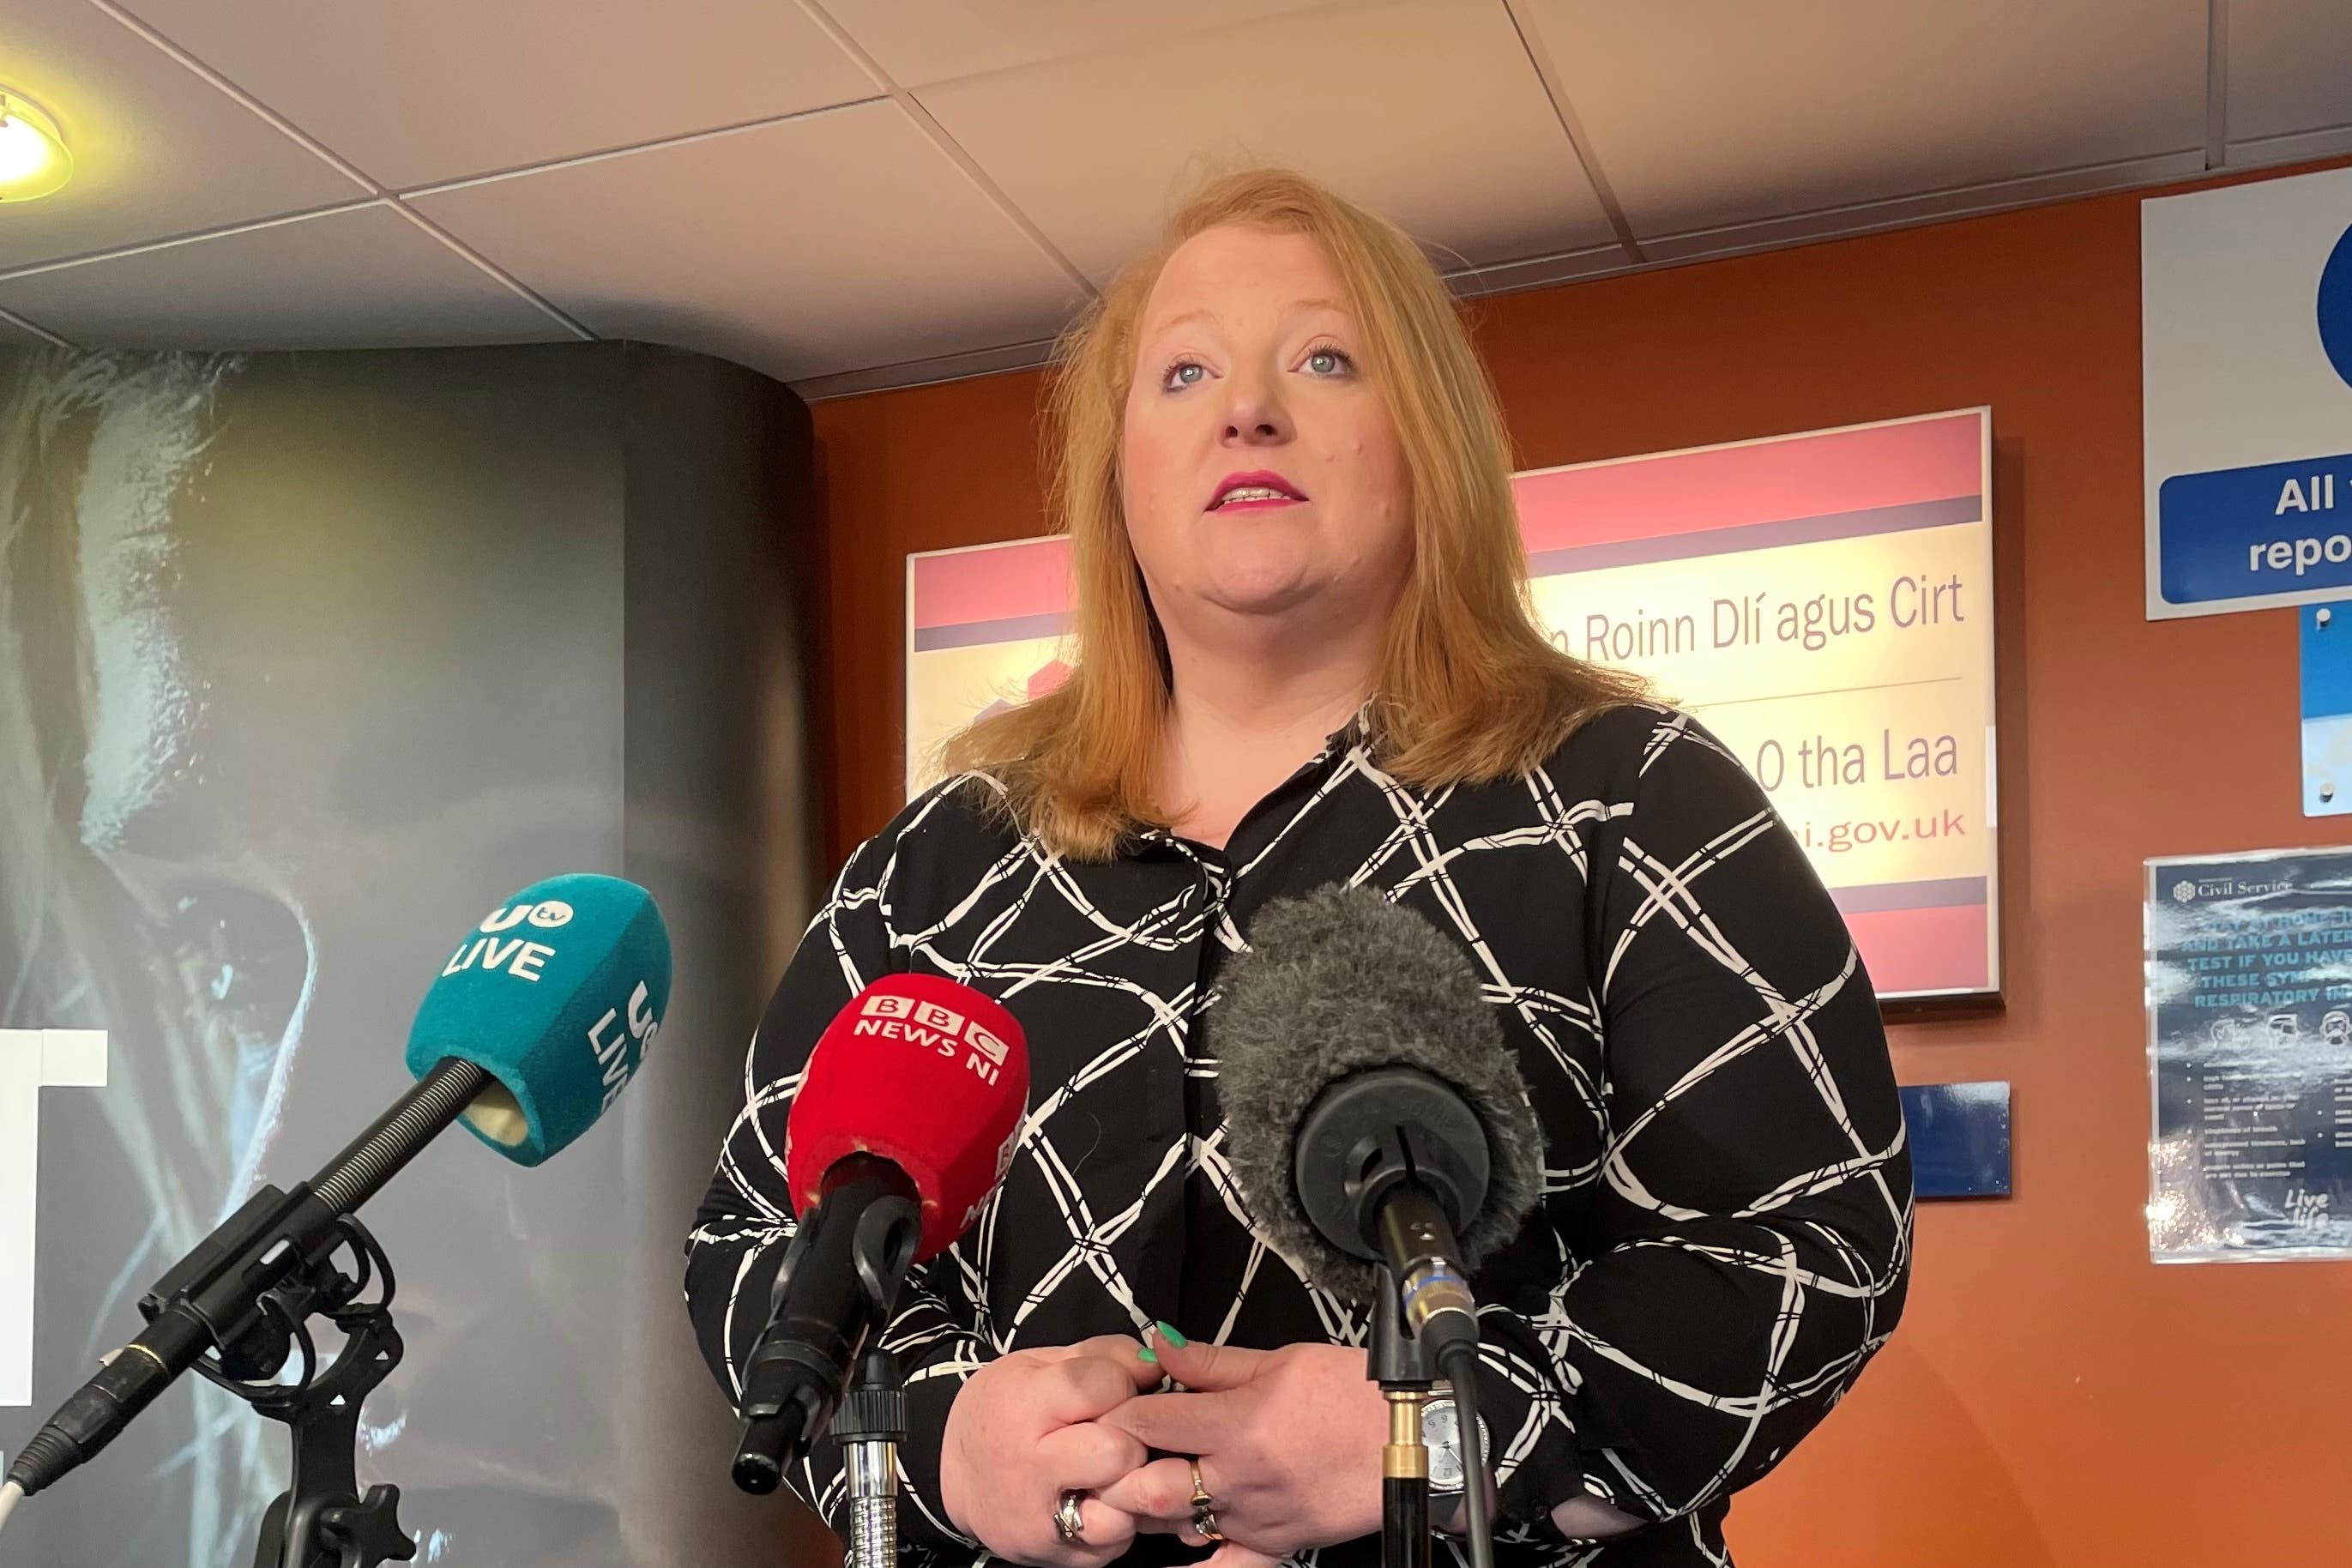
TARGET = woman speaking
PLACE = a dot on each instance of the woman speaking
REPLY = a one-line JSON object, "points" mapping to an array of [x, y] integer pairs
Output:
{"points": [[1305, 657]]}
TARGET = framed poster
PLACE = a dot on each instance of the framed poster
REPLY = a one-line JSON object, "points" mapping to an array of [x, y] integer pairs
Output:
{"points": [[1822, 602]]}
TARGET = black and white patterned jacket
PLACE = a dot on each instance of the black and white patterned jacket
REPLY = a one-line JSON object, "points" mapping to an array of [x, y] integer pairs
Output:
{"points": [[1724, 1234]]}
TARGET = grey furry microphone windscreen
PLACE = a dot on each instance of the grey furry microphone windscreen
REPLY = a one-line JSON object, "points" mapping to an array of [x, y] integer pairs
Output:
{"points": [[1339, 982]]}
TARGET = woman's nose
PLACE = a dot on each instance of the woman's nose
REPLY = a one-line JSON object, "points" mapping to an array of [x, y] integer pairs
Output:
{"points": [[1254, 415]]}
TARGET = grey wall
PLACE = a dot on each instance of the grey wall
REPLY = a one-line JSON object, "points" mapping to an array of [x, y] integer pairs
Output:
{"points": [[721, 825]]}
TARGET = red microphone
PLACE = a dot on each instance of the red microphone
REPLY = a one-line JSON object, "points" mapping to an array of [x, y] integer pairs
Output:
{"points": [[907, 1118], [925, 1073]]}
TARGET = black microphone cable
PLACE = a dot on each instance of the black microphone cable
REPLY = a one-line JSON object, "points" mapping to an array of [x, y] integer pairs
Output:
{"points": [[1459, 1362]]}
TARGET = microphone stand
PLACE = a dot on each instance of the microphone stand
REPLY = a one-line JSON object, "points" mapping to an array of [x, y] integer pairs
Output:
{"points": [[1397, 1363], [871, 1424], [236, 1310], [322, 1520]]}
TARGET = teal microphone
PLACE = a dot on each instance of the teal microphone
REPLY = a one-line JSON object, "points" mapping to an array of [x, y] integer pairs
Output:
{"points": [[556, 995], [531, 1032]]}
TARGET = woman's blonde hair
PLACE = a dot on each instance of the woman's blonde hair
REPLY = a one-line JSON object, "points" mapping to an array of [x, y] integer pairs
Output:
{"points": [[1470, 689]]}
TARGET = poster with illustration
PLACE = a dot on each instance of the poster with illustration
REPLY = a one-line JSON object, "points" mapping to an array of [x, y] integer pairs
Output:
{"points": [[307, 661], [1823, 601], [2250, 1056]]}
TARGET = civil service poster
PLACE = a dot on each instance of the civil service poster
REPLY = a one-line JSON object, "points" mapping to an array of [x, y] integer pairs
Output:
{"points": [[2250, 1056]]}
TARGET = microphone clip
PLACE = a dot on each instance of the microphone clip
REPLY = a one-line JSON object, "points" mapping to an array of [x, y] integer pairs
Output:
{"points": [[322, 1520], [1400, 1360], [838, 1285]]}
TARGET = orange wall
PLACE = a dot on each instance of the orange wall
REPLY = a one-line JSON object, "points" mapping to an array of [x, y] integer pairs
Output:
{"points": [[2053, 1398]]}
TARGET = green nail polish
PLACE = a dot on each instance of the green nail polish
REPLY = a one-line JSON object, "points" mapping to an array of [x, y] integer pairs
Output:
{"points": [[1145, 1352], [1171, 1336]]}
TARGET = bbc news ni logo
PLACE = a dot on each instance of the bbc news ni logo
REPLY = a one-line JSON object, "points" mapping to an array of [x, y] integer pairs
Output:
{"points": [[894, 1016], [30, 1061]]}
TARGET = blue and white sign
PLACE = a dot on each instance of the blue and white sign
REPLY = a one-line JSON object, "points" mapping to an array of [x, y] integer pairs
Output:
{"points": [[2327, 709], [2246, 381]]}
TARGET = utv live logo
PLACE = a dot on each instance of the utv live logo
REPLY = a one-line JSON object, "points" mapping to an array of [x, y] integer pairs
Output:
{"points": [[30, 1061]]}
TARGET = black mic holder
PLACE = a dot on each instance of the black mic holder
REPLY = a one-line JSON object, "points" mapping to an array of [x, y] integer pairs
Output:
{"points": [[322, 1520], [254, 1285], [1398, 1358], [839, 1283], [237, 1310]]}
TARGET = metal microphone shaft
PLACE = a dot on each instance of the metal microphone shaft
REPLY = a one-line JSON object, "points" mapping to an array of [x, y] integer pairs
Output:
{"points": [[869, 1426], [1404, 1484], [417, 1118]]}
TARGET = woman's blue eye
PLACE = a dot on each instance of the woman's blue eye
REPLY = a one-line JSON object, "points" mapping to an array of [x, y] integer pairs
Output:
{"points": [[1184, 373], [1329, 361]]}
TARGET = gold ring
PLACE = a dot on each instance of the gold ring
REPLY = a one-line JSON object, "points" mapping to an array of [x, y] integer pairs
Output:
{"points": [[1066, 1522], [1205, 1508]]}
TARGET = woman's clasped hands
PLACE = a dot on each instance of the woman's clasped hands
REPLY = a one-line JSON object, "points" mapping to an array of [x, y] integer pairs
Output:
{"points": [[1287, 1445]]}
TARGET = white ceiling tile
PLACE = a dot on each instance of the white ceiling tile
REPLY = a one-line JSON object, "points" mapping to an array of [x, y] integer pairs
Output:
{"points": [[932, 41], [1702, 114], [364, 278], [1426, 110], [157, 150], [2290, 67], [428, 90], [837, 241]]}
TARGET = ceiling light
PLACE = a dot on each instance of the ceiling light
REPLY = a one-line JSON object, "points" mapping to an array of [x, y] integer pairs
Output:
{"points": [[33, 157]]}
